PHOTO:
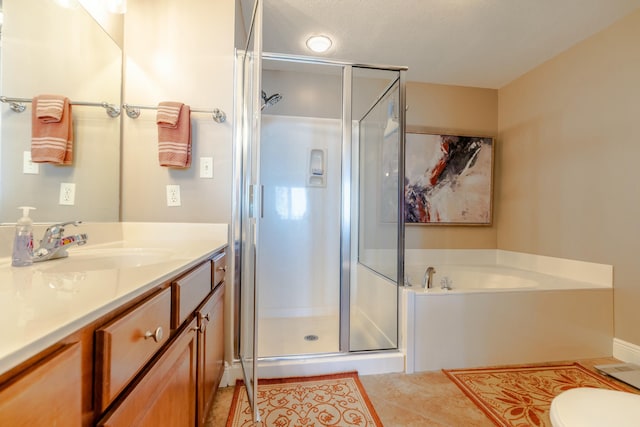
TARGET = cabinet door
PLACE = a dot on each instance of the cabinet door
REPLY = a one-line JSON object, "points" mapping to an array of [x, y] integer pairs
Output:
{"points": [[210, 350], [48, 394], [166, 393]]}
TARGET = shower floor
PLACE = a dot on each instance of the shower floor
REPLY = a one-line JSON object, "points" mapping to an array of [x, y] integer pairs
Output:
{"points": [[285, 336]]}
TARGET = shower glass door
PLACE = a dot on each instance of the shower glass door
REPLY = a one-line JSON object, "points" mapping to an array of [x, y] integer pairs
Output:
{"points": [[250, 201], [300, 174]]}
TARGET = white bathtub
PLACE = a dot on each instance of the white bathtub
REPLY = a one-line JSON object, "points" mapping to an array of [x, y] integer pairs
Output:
{"points": [[498, 314]]}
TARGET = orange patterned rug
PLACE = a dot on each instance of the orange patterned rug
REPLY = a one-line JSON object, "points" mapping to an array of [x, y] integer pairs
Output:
{"points": [[325, 400], [521, 396]]}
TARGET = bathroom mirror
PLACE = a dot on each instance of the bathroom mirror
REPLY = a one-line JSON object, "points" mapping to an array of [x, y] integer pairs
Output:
{"points": [[58, 47]]}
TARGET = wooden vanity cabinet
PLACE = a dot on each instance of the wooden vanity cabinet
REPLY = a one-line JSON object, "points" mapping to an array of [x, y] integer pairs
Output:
{"points": [[156, 360], [49, 393], [165, 395], [177, 386]]}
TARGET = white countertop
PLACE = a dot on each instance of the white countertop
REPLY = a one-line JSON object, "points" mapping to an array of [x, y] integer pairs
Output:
{"points": [[43, 303]]}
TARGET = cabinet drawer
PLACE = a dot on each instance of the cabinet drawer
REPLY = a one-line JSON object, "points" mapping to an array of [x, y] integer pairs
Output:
{"points": [[125, 345], [219, 268], [189, 291]]}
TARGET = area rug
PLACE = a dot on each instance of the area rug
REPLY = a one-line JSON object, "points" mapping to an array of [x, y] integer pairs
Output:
{"points": [[326, 400], [521, 396]]}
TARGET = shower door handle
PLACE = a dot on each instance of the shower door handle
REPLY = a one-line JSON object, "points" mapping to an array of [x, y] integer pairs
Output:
{"points": [[261, 201], [253, 203]]}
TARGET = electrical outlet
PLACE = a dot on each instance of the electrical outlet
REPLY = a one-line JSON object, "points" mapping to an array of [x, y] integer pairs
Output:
{"points": [[28, 166], [173, 195], [67, 193], [206, 167]]}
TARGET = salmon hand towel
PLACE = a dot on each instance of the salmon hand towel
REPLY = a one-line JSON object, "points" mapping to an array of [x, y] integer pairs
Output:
{"points": [[51, 130], [174, 142], [168, 113]]}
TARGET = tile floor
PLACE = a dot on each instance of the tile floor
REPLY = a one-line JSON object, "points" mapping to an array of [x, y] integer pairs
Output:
{"points": [[406, 400]]}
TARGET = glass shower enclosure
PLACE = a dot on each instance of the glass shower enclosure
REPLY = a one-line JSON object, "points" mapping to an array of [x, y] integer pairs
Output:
{"points": [[319, 236]]}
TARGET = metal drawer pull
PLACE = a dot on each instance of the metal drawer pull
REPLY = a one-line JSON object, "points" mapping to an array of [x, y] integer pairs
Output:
{"points": [[223, 268], [206, 317], [156, 335]]}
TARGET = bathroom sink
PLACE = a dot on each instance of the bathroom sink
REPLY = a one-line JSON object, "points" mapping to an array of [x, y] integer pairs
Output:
{"points": [[107, 259]]}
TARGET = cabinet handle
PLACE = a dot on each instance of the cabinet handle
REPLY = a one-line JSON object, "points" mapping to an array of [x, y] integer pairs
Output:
{"points": [[223, 268], [156, 335], [200, 328], [206, 317]]}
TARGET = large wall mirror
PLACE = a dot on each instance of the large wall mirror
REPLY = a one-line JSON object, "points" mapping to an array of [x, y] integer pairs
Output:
{"points": [[58, 47]]}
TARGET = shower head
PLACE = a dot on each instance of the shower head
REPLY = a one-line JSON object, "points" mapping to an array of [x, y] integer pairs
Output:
{"points": [[271, 100]]}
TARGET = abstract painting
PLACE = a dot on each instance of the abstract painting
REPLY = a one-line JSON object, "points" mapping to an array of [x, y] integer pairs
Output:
{"points": [[448, 179]]}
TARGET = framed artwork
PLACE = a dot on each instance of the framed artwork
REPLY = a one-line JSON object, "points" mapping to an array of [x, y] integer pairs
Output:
{"points": [[448, 179]]}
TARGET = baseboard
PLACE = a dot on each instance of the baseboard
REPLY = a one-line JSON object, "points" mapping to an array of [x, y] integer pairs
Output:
{"points": [[625, 351], [231, 373]]}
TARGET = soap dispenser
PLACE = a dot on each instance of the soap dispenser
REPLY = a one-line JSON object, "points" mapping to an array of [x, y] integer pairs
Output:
{"points": [[23, 242]]}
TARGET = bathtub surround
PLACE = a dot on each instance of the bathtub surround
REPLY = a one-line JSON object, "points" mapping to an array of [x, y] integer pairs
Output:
{"points": [[560, 310]]}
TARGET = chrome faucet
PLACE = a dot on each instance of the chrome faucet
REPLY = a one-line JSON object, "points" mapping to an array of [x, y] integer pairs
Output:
{"points": [[427, 279], [53, 245]]}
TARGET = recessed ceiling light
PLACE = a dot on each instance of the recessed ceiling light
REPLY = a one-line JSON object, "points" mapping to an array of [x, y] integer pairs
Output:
{"points": [[319, 44]]}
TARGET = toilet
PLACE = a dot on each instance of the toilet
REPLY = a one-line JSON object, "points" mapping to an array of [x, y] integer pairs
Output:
{"points": [[595, 407]]}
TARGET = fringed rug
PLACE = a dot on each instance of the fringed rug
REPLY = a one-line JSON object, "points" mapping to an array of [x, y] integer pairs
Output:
{"points": [[325, 400], [521, 396]]}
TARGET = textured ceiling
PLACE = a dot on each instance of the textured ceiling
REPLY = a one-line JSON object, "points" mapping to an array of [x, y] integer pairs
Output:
{"points": [[481, 43]]}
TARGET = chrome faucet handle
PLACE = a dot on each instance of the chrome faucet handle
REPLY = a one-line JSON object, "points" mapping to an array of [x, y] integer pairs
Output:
{"points": [[55, 231]]}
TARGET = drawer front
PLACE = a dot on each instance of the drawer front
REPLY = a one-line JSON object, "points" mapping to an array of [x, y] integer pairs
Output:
{"points": [[166, 394], [189, 291], [219, 268], [125, 345]]}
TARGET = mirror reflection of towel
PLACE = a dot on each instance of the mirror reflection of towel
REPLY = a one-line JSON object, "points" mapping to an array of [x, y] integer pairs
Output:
{"points": [[174, 142], [51, 130]]}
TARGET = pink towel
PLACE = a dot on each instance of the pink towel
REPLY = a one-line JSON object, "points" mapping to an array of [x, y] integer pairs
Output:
{"points": [[51, 130], [174, 142], [168, 113]]}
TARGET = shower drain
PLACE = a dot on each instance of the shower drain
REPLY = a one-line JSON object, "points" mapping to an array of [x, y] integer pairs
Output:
{"points": [[311, 338]]}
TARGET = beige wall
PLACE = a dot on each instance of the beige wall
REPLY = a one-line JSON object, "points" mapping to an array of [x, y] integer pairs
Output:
{"points": [[457, 110], [178, 53], [567, 162]]}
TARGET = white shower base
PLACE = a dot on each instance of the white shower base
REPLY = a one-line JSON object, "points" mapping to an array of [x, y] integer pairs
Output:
{"points": [[284, 336]]}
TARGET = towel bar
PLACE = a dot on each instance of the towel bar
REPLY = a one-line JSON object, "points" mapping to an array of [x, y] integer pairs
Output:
{"points": [[133, 111], [17, 105]]}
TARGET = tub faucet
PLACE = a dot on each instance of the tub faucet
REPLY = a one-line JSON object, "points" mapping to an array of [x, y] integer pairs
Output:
{"points": [[53, 245], [427, 279]]}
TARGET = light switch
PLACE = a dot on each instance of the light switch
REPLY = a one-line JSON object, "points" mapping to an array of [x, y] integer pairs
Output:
{"points": [[28, 167], [206, 167]]}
